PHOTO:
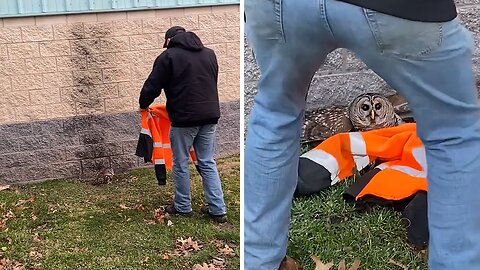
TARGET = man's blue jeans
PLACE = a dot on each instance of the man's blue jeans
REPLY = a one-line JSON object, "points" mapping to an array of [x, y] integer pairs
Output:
{"points": [[202, 138], [428, 63]]}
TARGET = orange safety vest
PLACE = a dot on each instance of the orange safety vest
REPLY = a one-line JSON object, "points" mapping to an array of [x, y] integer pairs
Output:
{"points": [[154, 142], [398, 152], [399, 172]]}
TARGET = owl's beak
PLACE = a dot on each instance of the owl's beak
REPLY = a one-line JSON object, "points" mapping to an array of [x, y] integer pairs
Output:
{"points": [[372, 114]]}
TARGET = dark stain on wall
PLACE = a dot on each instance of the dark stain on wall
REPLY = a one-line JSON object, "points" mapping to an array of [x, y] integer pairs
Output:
{"points": [[88, 81], [86, 97]]}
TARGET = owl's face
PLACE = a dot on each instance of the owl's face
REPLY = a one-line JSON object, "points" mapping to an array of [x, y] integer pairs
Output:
{"points": [[370, 111]]}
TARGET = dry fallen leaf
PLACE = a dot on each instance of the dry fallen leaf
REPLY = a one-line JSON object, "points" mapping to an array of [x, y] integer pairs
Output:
{"points": [[34, 217], [398, 264], [4, 219], [37, 238], [140, 208], [36, 266], [200, 266], [11, 264], [123, 206], [22, 202], [227, 251], [354, 266], [205, 266], [169, 223], [3, 187], [159, 216], [194, 244], [341, 265], [217, 243], [184, 246], [319, 265], [9, 215], [218, 262], [149, 221], [35, 254]]}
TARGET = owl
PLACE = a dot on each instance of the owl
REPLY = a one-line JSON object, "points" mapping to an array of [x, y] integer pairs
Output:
{"points": [[105, 176], [372, 111], [366, 112]]}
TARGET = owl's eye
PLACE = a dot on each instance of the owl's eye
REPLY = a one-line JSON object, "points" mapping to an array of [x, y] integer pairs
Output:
{"points": [[378, 106], [365, 107]]}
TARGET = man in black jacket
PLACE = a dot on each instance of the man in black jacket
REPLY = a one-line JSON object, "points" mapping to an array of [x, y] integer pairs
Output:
{"points": [[419, 48], [188, 73]]}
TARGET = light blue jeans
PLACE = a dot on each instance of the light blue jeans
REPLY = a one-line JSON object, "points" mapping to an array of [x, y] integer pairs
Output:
{"points": [[202, 139], [428, 63]]}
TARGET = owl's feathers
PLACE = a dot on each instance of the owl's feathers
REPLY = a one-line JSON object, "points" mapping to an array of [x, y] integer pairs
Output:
{"points": [[366, 112], [323, 123], [105, 176]]}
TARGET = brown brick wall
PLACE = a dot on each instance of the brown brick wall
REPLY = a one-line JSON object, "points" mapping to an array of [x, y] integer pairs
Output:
{"points": [[69, 87], [69, 65]]}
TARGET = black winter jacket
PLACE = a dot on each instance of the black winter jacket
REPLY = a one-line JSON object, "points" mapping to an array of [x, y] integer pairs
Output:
{"points": [[188, 73]]}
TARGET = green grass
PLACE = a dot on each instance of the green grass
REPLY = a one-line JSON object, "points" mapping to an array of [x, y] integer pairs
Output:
{"points": [[327, 227], [83, 227]]}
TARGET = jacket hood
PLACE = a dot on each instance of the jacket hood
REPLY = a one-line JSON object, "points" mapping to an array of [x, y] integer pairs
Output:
{"points": [[188, 40]]}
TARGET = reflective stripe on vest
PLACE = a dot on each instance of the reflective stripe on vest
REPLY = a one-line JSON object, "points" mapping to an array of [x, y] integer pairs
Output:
{"points": [[159, 161], [161, 145], [359, 150]]}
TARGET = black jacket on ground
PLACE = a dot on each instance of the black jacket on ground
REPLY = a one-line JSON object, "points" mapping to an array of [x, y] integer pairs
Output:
{"points": [[415, 10], [188, 73]]}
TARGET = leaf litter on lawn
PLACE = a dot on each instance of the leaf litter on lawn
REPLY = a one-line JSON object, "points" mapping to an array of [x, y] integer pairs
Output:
{"points": [[319, 265], [183, 248]]}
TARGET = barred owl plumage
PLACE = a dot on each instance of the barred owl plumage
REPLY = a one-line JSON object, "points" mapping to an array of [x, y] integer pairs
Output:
{"points": [[372, 111], [366, 112], [323, 123], [105, 176]]}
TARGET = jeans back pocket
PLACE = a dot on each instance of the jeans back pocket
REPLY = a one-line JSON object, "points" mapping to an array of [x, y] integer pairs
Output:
{"points": [[264, 18], [404, 38]]}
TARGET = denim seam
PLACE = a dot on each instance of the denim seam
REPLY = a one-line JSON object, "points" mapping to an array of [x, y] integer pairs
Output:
{"points": [[431, 48], [323, 14], [439, 41], [279, 18], [374, 28]]}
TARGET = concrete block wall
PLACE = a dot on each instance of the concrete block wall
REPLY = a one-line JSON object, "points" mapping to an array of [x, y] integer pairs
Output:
{"points": [[343, 77], [69, 87]]}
